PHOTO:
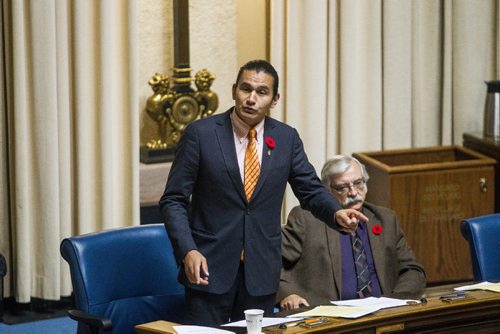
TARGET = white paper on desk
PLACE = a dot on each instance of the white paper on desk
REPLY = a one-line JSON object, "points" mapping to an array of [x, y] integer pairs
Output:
{"points": [[380, 302], [265, 322], [495, 287], [351, 312], [200, 330]]}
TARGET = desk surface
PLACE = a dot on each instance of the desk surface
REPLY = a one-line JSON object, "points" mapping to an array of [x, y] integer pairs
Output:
{"points": [[479, 314]]}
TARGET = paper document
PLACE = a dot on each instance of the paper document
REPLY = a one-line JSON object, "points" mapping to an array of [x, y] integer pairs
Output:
{"points": [[380, 302], [265, 322], [495, 287], [350, 312], [199, 330]]}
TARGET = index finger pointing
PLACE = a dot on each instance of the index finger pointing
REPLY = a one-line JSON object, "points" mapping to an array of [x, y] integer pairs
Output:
{"points": [[359, 215]]}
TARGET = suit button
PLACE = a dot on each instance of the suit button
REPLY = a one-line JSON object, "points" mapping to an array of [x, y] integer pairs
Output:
{"points": [[248, 211]]}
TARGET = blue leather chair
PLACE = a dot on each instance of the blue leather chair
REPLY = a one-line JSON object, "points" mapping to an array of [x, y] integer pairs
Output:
{"points": [[123, 277], [483, 235]]}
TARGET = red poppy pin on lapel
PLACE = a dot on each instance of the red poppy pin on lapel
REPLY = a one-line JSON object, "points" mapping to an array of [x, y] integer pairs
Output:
{"points": [[377, 229], [271, 144]]}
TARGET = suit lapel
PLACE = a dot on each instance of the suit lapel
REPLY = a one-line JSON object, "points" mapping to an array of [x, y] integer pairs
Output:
{"points": [[377, 248], [335, 254], [225, 136]]}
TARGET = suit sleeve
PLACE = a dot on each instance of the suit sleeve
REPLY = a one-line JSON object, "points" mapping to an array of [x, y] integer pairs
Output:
{"points": [[411, 276], [308, 188], [174, 203]]}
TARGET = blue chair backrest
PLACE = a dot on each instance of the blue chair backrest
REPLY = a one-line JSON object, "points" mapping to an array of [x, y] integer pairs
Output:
{"points": [[128, 275], [483, 235]]}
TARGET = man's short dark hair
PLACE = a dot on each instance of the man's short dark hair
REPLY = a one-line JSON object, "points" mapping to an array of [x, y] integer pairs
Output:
{"points": [[258, 66]]}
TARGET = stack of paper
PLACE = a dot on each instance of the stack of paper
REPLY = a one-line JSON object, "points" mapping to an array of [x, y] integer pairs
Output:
{"points": [[351, 312], [380, 302], [199, 330], [495, 287], [266, 322], [354, 308]]}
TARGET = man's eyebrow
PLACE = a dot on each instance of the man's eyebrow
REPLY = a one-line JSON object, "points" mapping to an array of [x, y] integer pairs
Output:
{"points": [[245, 83]]}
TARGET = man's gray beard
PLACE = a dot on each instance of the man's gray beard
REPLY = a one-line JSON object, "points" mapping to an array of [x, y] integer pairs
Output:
{"points": [[352, 200]]}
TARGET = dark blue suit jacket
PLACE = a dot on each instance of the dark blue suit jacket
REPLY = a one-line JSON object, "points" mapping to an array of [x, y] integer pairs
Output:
{"points": [[205, 208]]}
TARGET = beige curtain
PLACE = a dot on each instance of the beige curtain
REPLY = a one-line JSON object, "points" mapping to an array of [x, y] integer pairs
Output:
{"points": [[360, 75], [69, 133], [4, 183]]}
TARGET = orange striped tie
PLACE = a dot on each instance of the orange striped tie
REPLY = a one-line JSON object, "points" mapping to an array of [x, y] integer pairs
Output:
{"points": [[252, 167]]}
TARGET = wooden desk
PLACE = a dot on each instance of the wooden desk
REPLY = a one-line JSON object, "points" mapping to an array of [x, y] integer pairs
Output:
{"points": [[478, 315]]}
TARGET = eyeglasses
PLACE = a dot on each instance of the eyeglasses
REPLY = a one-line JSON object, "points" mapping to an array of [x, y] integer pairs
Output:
{"points": [[343, 189]]}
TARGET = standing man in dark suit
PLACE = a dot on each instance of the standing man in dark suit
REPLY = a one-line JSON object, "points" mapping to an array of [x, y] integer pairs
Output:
{"points": [[319, 262], [222, 202]]}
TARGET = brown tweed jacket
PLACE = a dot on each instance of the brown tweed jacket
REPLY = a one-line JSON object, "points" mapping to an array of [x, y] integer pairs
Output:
{"points": [[312, 261]]}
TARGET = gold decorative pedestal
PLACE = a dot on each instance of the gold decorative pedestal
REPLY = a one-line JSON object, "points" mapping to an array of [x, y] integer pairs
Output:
{"points": [[174, 104], [173, 107]]}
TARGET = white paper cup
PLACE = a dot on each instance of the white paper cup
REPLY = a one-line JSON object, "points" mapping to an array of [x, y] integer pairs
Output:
{"points": [[254, 321]]}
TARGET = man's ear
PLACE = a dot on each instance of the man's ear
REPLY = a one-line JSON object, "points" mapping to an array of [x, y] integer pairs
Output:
{"points": [[233, 93], [275, 100]]}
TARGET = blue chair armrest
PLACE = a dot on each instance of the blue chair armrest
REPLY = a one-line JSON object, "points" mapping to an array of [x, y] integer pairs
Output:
{"points": [[93, 324]]}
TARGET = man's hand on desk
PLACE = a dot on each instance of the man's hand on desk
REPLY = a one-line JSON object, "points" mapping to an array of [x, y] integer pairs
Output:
{"points": [[293, 302]]}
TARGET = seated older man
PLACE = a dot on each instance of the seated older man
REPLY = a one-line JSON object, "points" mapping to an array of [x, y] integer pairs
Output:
{"points": [[321, 264]]}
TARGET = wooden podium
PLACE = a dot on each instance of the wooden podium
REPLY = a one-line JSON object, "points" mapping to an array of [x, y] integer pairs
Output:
{"points": [[432, 190], [489, 147]]}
